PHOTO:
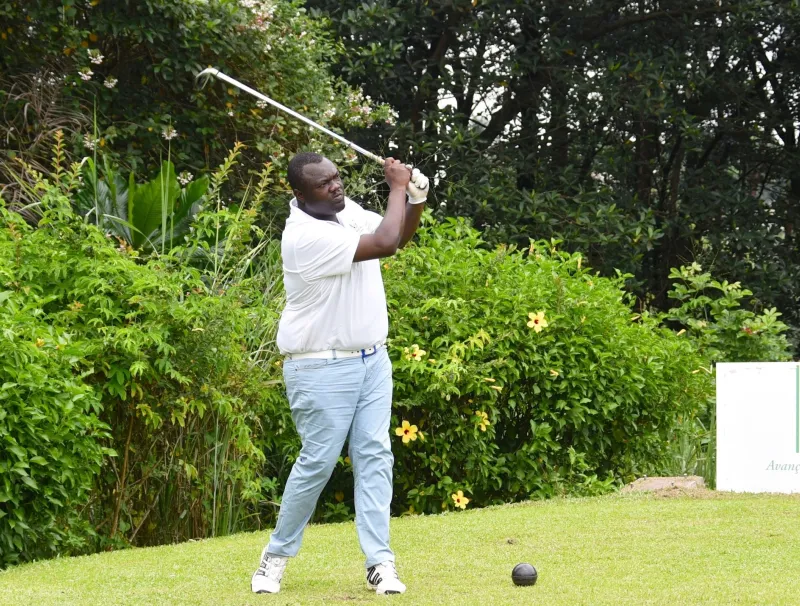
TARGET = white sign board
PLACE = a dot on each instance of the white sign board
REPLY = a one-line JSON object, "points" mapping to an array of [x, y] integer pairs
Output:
{"points": [[758, 427]]}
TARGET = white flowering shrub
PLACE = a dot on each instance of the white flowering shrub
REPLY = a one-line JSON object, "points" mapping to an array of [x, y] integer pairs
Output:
{"points": [[130, 69]]}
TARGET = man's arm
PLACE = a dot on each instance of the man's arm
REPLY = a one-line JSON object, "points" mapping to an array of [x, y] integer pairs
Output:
{"points": [[387, 237], [411, 222]]}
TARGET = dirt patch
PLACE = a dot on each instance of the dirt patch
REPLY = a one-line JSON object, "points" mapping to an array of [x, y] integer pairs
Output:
{"points": [[672, 487], [694, 493]]}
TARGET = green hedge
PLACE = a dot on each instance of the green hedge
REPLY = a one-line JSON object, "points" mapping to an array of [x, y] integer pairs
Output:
{"points": [[150, 359], [174, 354], [50, 435], [507, 411]]}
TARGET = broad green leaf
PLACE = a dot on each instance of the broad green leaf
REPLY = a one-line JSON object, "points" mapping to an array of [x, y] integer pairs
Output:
{"points": [[150, 201], [30, 482]]}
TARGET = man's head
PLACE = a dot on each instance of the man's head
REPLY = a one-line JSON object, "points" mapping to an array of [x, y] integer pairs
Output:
{"points": [[316, 184]]}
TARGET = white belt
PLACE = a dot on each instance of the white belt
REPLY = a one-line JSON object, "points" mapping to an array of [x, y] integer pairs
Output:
{"points": [[337, 353]]}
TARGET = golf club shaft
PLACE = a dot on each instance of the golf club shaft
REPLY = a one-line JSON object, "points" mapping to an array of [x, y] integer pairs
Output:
{"points": [[215, 72]]}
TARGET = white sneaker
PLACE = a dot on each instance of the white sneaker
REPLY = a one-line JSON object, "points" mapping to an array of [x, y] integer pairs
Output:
{"points": [[383, 579], [267, 579]]}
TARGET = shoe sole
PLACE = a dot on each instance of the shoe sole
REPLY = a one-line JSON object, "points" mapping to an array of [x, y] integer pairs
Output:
{"points": [[387, 592]]}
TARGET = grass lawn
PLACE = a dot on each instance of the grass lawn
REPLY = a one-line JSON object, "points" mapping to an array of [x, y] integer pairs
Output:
{"points": [[711, 548]]}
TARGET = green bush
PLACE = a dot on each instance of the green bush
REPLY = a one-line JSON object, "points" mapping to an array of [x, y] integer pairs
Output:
{"points": [[711, 312], [165, 350], [525, 374], [50, 435]]}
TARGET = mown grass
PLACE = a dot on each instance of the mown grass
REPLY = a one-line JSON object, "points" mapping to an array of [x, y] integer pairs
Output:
{"points": [[709, 548]]}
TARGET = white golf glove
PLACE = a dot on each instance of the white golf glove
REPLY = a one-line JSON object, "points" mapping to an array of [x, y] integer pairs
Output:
{"points": [[417, 188]]}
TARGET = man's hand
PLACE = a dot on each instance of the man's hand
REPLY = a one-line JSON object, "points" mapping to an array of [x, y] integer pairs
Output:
{"points": [[417, 188], [397, 174], [386, 239]]}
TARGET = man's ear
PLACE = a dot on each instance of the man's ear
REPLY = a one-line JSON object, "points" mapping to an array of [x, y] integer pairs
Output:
{"points": [[299, 195]]}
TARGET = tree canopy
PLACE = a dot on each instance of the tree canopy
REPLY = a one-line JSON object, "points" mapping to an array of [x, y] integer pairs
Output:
{"points": [[646, 133]]}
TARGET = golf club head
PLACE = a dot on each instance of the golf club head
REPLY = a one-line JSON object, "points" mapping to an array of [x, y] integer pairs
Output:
{"points": [[206, 74]]}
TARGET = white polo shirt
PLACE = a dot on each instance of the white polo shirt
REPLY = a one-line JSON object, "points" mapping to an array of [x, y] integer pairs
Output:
{"points": [[331, 302]]}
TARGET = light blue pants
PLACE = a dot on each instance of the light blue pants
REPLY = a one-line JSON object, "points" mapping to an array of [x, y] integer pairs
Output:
{"points": [[331, 401]]}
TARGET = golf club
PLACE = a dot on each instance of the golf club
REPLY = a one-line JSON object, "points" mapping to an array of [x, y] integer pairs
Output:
{"points": [[211, 71]]}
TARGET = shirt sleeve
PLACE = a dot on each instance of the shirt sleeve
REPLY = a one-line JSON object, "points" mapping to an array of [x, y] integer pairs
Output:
{"points": [[368, 221], [326, 252], [372, 220]]}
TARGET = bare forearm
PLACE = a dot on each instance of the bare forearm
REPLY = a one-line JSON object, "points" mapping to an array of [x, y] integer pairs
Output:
{"points": [[413, 213], [391, 229]]}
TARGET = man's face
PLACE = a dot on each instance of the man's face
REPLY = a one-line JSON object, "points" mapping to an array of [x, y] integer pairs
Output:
{"points": [[322, 191]]}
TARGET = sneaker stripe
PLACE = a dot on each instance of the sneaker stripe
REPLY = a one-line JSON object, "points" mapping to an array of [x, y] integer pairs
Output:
{"points": [[374, 577]]}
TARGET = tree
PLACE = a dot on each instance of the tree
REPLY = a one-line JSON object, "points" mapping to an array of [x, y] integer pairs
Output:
{"points": [[648, 134]]}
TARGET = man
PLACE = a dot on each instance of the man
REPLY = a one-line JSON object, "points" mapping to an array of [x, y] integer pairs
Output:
{"points": [[337, 372]]}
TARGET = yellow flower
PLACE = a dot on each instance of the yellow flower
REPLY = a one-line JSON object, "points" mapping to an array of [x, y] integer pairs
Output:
{"points": [[553, 373], [496, 388], [339, 496], [76, 306], [93, 37], [537, 321], [483, 420], [415, 353], [347, 460], [39, 342], [460, 500], [407, 431]]}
